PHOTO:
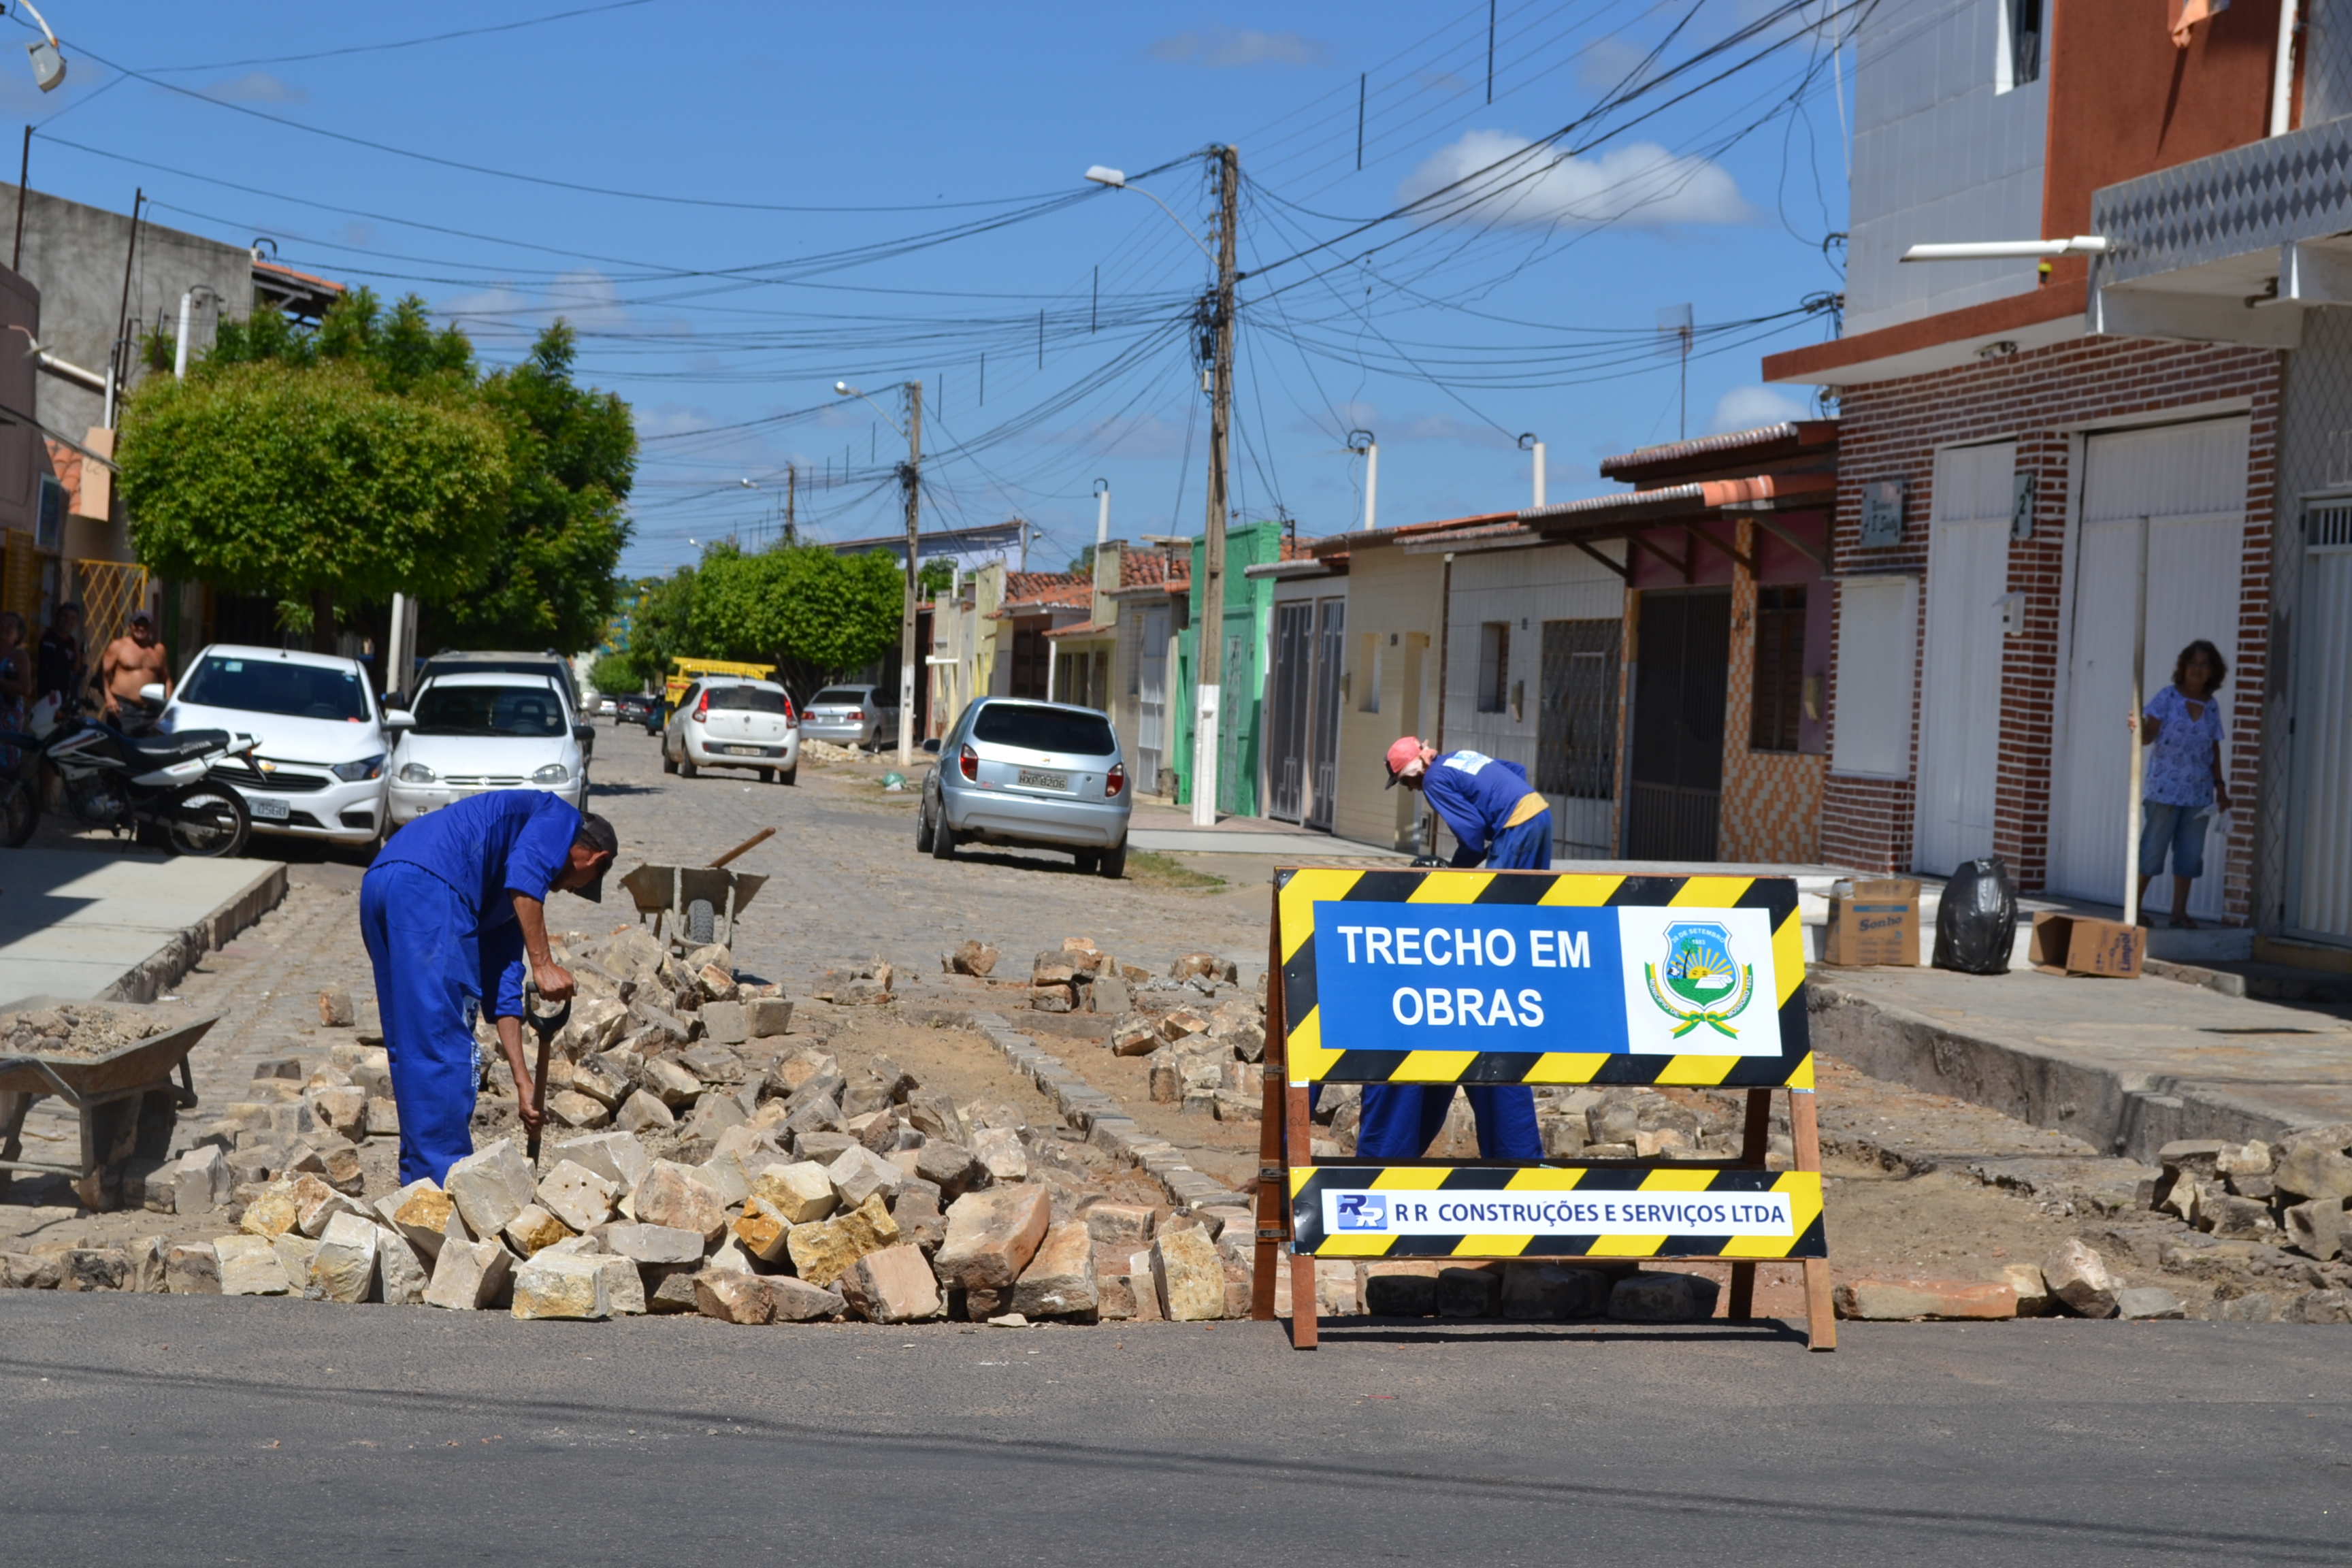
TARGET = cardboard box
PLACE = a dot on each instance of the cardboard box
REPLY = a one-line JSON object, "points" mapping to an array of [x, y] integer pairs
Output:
{"points": [[1877, 923], [2076, 944]]}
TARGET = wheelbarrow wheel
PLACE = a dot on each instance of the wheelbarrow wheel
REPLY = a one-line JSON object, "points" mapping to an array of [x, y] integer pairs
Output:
{"points": [[701, 922]]}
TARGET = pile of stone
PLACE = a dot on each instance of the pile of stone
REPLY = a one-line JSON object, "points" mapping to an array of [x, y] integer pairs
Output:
{"points": [[773, 1185], [74, 1029], [2291, 1193]]}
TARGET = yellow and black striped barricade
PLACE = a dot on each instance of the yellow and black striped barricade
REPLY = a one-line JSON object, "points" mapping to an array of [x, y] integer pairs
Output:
{"points": [[1538, 978]]}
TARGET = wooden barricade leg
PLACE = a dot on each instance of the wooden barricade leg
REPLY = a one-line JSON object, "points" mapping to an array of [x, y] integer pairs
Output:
{"points": [[1273, 1154], [1298, 1134], [1753, 1146], [1805, 1133]]}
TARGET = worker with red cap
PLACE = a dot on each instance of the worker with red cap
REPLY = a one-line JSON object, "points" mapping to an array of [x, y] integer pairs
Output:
{"points": [[1498, 819]]}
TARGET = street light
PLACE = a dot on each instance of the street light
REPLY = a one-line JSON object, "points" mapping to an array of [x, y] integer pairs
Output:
{"points": [[48, 65], [911, 476], [1530, 442], [1217, 319]]}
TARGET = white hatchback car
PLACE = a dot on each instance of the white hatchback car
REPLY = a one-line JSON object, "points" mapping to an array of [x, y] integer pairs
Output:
{"points": [[727, 721], [318, 772], [469, 733]]}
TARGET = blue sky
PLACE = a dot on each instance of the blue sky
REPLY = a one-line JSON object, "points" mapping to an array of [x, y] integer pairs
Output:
{"points": [[739, 204]]}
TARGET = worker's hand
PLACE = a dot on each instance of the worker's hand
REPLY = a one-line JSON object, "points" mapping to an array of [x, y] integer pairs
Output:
{"points": [[528, 1107], [555, 981]]}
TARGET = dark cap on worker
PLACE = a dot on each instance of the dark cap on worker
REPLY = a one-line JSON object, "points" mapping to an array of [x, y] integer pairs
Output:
{"points": [[597, 835]]}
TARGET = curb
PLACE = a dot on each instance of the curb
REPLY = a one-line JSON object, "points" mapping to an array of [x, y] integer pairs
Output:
{"points": [[1091, 1112], [2132, 1114], [184, 949]]}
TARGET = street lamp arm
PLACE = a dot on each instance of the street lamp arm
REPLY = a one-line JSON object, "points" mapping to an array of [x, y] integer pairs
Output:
{"points": [[846, 390], [1118, 182]]}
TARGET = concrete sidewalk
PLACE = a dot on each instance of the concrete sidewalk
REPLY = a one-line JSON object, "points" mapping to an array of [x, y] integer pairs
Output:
{"points": [[2125, 1065], [121, 926]]}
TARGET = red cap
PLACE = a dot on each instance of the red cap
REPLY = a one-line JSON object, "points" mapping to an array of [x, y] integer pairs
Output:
{"points": [[1402, 755]]}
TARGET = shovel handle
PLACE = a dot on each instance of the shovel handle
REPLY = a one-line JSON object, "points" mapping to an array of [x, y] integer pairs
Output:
{"points": [[751, 843], [539, 1098]]}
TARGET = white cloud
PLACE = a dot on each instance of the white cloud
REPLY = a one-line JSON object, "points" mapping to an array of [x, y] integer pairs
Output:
{"points": [[256, 87], [1746, 407], [1642, 185], [1227, 49]]}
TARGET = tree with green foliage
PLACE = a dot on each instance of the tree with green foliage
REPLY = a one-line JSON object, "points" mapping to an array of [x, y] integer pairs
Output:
{"points": [[818, 614], [615, 674], [530, 565], [314, 486]]}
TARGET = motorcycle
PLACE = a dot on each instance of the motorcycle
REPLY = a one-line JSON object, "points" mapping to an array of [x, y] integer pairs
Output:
{"points": [[140, 783]]}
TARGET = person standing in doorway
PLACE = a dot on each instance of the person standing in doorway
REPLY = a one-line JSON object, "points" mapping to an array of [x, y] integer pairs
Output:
{"points": [[2182, 783], [58, 667]]}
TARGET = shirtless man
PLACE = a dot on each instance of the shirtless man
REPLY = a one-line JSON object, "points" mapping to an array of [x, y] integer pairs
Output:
{"points": [[133, 660]]}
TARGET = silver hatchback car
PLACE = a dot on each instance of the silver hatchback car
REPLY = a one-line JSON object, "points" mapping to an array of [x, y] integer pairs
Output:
{"points": [[853, 716], [1036, 774]]}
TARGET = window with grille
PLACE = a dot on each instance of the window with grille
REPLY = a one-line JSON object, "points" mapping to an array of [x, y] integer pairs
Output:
{"points": [[1494, 666], [2019, 61], [1779, 686]]}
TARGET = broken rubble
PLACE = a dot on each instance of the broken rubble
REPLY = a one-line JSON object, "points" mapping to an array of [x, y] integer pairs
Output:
{"points": [[577, 1195], [1927, 1301], [1060, 1280], [248, 1265], [991, 1236], [343, 1267], [1662, 1299], [823, 1252], [673, 1195], [192, 1268], [562, 1286], [490, 1187], [1188, 1276], [2079, 1278], [469, 1275], [893, 1285]]}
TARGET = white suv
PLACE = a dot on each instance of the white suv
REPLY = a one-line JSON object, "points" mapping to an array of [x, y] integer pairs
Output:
{"points": [[318, 772], [727, 721]]}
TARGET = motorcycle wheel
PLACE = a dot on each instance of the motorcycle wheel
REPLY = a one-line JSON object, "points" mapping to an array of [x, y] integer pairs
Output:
{"points": [[18, 813], [207, 820]]}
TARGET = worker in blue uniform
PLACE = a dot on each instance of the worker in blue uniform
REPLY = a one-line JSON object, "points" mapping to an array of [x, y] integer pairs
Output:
{"points": [[1496, 818], [451, 910]]}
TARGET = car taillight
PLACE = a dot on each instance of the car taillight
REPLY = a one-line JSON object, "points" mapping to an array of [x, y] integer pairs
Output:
{"points": [[858, 717], [701, 708], [968, 763], [1116, 781]]}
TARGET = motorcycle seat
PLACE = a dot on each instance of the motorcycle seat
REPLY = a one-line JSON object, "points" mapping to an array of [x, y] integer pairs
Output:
{"points": [[175, 748]]}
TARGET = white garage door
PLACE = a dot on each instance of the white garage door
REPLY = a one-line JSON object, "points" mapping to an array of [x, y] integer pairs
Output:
{"points": [[2179, 491], [1960, 734], [2320, 870]]}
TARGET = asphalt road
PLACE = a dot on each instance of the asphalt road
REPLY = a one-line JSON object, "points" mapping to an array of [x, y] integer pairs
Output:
{"points": [[198, 1429]]}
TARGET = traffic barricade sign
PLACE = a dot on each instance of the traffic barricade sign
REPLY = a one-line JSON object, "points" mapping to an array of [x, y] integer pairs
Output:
{"points": [[1538, 978]]}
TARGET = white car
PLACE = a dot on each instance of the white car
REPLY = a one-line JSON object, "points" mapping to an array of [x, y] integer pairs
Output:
{"points": [[319, 770], [469, 733], [727, 721]]}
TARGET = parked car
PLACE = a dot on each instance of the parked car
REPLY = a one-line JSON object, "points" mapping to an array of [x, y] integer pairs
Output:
{"points": [[727, 721], [469, 733], [634, 709], [853, 716], [553, 665], [318, 768], [1036, 774]]}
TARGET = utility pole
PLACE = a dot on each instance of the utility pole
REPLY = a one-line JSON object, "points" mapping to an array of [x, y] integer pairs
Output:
{"points": [[1209, 639], [911, 476], [791, 522]]}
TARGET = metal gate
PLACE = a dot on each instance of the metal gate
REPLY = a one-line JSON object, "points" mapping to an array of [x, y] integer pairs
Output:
{"points": [[1323, 735], [1576, 732], [1151, 701], [1677, 774], [1286, 704], [2319, 869]]}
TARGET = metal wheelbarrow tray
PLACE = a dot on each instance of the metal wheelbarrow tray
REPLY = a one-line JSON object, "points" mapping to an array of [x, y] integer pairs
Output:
{"points": [[110, 1095], [668, 895]]}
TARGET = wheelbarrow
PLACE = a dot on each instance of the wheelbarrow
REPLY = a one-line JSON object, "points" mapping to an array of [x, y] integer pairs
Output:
{"points": [[126, 1100], [694, 906]]}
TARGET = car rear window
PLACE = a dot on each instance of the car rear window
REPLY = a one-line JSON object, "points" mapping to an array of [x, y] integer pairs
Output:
{"points": [[272, 686], [489, 711], [747, 699], [838, 697], [1044, 730]]}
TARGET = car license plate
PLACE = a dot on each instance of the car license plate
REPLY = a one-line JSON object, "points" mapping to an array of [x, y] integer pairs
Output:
{"points": [[268, 808], [746, 750], [1031, 779]]}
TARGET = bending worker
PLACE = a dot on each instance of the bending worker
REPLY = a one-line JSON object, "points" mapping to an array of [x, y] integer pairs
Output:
{"points": [[452, 909], [1498, 819]]}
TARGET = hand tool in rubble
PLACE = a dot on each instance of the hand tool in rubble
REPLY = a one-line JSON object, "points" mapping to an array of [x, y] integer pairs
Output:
{"points": [[544, 1025], [749, 843]]}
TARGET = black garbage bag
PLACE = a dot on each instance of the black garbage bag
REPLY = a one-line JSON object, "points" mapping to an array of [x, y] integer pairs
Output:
{"points": [[1976, 925]]}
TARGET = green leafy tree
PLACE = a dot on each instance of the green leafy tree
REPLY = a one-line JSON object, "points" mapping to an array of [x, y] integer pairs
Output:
{"points": [[819, 616], [615, 675], [313, 485], [540, 575]]}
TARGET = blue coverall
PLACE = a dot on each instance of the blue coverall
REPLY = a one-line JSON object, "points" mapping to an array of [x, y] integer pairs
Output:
{"points": [[437, 914], [1497, 818]]}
